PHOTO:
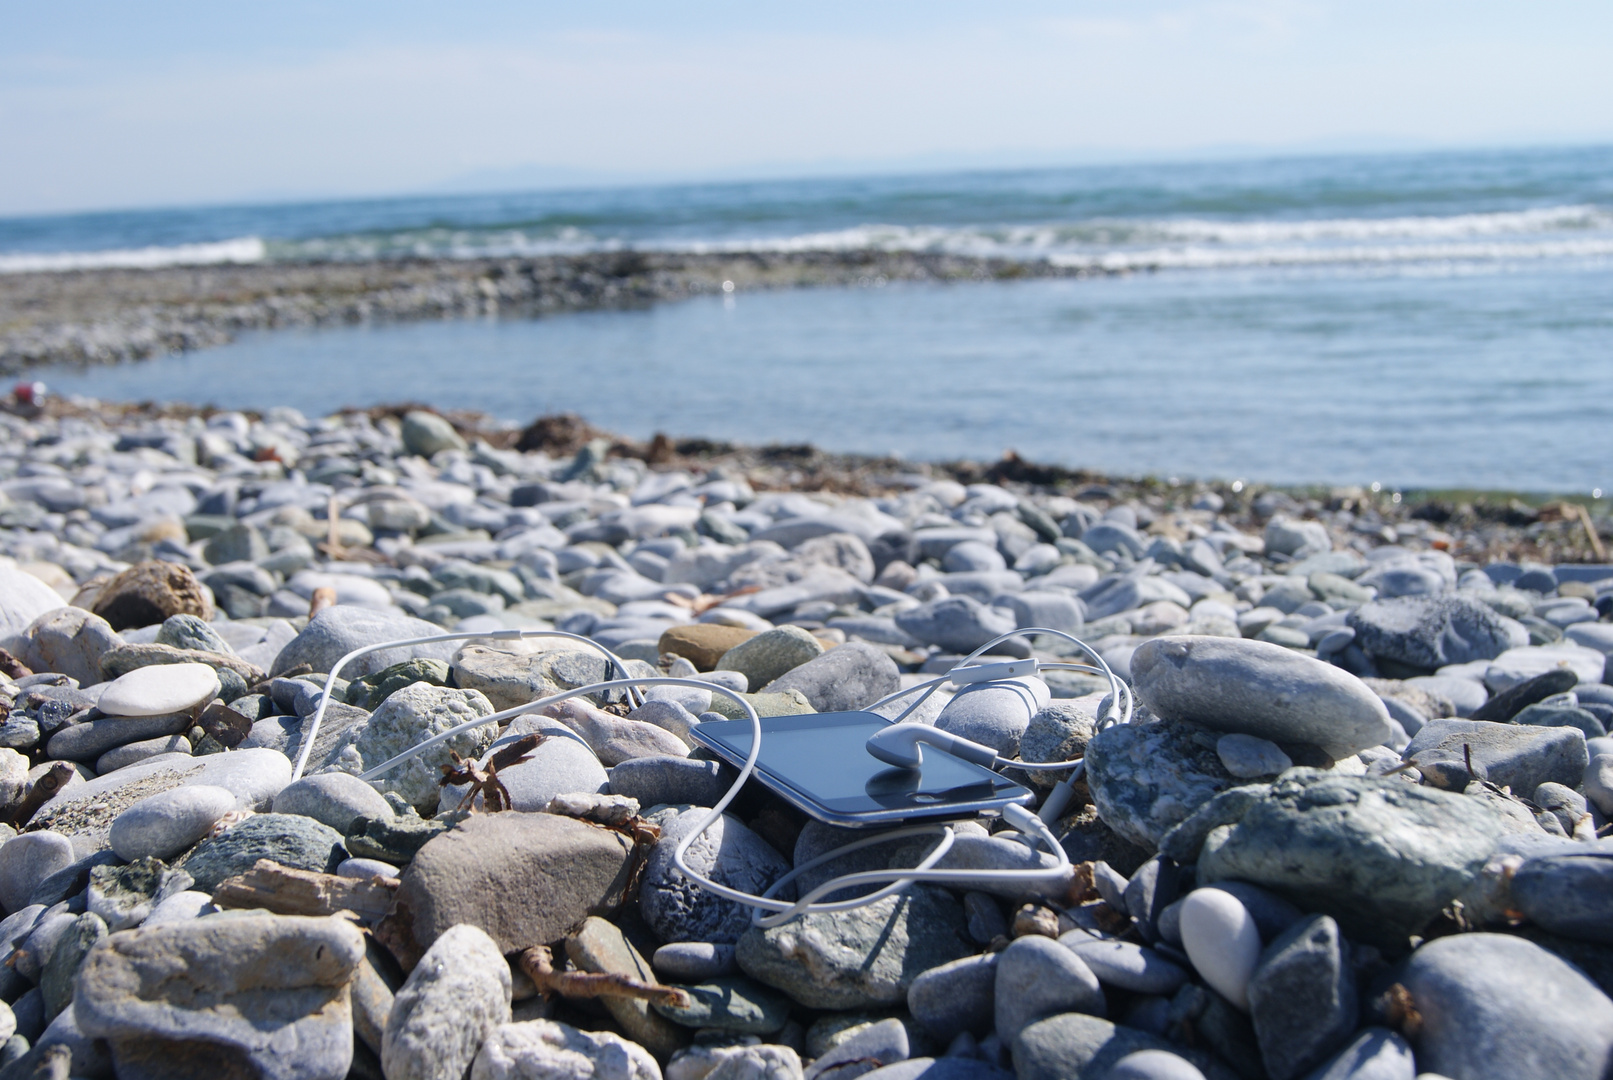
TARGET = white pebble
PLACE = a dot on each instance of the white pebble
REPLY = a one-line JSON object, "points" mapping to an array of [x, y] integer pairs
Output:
{"points": [[1153, 1065], [1221, 939], [159, 689]]}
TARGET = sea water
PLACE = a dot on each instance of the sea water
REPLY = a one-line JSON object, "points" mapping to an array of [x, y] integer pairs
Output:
{"points": [[1434, 320]]}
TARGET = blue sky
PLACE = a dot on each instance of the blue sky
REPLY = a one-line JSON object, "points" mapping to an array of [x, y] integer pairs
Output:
{"points": [[111, 104]]}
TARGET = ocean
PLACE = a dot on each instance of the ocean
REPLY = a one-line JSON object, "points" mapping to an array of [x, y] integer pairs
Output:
{"points": [[1415, 320]]}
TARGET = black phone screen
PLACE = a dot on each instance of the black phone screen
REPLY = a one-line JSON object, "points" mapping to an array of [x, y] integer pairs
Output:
{"points": [[823, 759]]}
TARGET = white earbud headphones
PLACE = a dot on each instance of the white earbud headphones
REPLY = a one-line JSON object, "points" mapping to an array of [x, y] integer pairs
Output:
{"points": [[900, 745]]}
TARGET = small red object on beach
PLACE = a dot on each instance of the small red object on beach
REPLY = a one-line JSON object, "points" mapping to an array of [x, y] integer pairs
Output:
{"points": [[29, 393]]}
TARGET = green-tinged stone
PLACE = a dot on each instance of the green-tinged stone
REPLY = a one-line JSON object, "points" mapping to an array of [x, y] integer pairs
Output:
{"points": [[787, 703], [1381, 856], [298, 842], [123, 895], [408, 718], [865, 957], [1147, 778], [393, 840], [192, 632], [734, 1004], [56, 981], [770, 654], [371, 690]]}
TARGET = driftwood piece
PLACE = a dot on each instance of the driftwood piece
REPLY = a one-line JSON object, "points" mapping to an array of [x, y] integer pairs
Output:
{"points": [[485, 782], [224, 724], [1590, 532], [538, 963], [286, 891], [12, 668], [40, 792]]}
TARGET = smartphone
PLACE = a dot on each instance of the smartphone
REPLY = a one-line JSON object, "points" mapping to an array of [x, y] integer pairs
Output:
{"points": [[820, 763]]}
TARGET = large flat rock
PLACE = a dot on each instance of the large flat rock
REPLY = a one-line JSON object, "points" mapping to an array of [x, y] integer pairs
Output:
{"points": [[85, 811], [1256, 688], [525, 879], [1381, 856]]}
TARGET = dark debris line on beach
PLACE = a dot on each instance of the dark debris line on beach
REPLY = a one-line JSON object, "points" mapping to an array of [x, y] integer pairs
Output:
{"points": [[1481, 526]]}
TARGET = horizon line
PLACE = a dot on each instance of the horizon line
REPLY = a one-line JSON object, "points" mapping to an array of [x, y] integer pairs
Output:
{"points": [[941, 163]]}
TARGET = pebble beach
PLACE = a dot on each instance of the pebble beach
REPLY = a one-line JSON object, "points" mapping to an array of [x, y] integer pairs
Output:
{"points": [[1354, 829]]}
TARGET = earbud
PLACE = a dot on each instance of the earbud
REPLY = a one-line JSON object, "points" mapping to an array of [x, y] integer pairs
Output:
{"points": [[902, 745]]}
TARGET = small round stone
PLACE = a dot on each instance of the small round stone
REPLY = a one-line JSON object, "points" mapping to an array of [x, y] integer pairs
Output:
{"points": [[995, 714], [693, 961], [335, 798], [1127, 965], [27, 860], [135, 752], [1248, 686], [1249, 756], [1599, 782], [1496, 1006], [170, 822], [1036, 978], [955, 997]]}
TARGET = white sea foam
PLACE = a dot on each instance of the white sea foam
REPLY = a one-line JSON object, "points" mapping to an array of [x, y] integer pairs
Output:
{"points": [[1564, 232], [1451, 226], [1194, 243], [442, 243], [1111, 244], [245, 249], [1192, 257]]}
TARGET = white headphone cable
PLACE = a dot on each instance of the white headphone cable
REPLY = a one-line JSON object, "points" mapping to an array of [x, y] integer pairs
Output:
{"points": [[1032, 827], [308, 737]]}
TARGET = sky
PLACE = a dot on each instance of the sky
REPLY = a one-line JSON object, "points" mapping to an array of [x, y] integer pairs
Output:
{"points": [[111, 105]]}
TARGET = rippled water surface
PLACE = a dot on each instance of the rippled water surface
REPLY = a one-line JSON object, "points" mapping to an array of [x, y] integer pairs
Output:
{"points": [[1418, 320], [1499, 379]]}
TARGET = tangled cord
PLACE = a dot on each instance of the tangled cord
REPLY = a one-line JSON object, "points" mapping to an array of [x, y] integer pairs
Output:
{"points": [[1117, 709], [766, 909], [493, 635]]}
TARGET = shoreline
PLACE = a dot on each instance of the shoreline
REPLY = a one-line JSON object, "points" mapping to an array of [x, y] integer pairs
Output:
{"points": [[1477, 526], [88, 317]]}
